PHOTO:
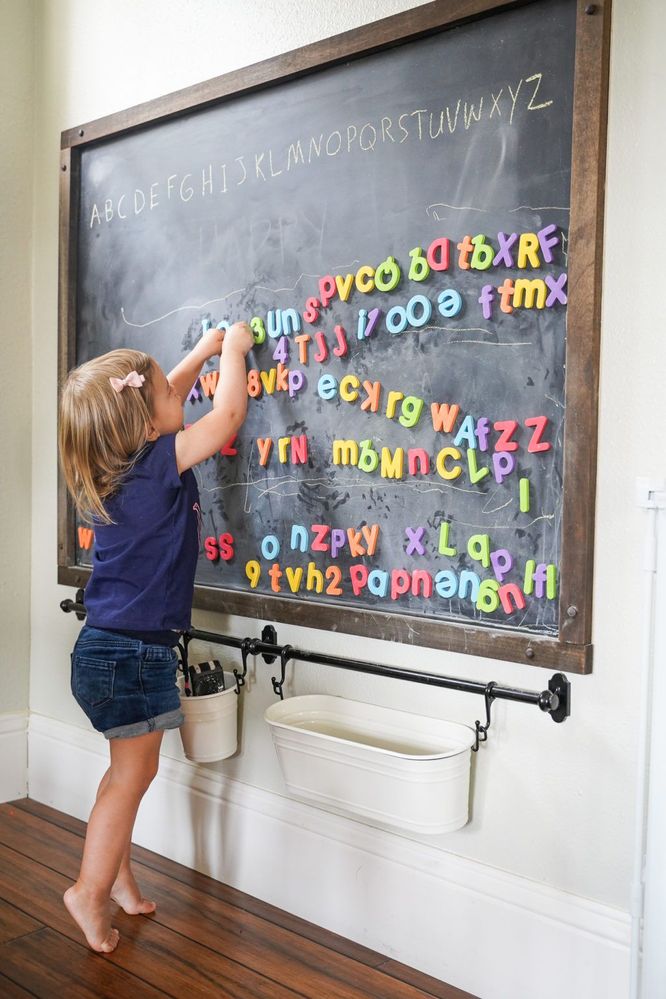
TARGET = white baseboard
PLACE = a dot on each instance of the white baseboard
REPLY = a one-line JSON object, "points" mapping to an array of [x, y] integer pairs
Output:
{"points": [[13, 756], [494, 934]]}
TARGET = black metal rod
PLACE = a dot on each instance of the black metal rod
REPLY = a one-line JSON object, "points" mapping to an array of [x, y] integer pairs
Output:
{"points": [[555, 701], [547, 700]]}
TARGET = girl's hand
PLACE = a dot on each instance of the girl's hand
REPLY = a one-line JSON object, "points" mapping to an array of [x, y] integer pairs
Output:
{"points": [[240, 338], [210, 344]]}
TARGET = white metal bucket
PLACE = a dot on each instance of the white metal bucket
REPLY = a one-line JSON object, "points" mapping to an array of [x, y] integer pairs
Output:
{"points": [[210, 729], [386, 766]]}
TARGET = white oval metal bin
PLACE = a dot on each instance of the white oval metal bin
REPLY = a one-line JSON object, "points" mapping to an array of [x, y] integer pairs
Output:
{"points": [[386, 766]]}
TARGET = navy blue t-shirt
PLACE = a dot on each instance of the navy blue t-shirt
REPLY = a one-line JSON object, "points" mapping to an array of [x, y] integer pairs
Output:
{"points": [[144, 563]]}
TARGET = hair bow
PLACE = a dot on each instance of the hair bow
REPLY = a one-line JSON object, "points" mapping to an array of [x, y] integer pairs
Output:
{"points": [[133, 379]]}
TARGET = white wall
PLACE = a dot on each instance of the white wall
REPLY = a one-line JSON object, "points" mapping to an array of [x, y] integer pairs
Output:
{"points": [[551, 803], [16, 157]]}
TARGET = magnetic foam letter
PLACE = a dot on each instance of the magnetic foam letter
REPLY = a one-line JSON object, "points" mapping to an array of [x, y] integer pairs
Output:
{"points": [[482, 257], [315, 578], [270, 547], [253, 572], [502, 563], [319, 542], [302, 342], [342, 347], [400, 583], [551, 581], [487, 599], [440, 461], [466, 433], [524, 495], [373, 317], [283, 448], [349, 386], [274, 323], [322, 348], [503, 255], [327, 387], [370, 536], [536, 444], [485, 300], [281, 352], [557, 292], [299, 449], [444, 416], [528, 250], [528, 581], [449, 303], [414, 540], [421, 580], [478, 548], [275, 574], [338, 541], [358, 575], [296, 381], [511, 590], [365, 279], [300, 538], [396, 320], [482, 430], [438, 254], [476, 474], [294, 577], [465, 247], [547, 239], [468, 582], [418, 311], [362, 323], [265, 445], [444, 547], [507, 429], [503, 464], [446, 584], [327, 290], [378, 582], [344, 285]]}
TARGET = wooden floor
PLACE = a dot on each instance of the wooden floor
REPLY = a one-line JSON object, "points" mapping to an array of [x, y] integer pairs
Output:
{"points": [[205, 939]]}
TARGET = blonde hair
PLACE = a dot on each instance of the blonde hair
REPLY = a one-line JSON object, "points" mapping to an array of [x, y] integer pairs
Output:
{"points": [[102, 432]]}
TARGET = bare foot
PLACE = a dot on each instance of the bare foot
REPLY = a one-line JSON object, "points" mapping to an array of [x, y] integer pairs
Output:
{"points": [[126, 893], [93, 918]]}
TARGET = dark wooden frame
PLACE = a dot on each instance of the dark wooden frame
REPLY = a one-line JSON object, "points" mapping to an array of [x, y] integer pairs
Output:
{"points": [[572, 650]]}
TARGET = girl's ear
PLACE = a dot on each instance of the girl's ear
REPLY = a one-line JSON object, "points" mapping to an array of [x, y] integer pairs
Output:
{"points": [[151, 433]]}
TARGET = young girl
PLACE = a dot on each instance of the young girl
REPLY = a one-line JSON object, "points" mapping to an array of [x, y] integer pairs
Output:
{"points": [[126, 461]]}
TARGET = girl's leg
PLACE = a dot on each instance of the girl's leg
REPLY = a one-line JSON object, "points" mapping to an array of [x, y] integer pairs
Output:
{"points": [[125, 891], [134, 763]]}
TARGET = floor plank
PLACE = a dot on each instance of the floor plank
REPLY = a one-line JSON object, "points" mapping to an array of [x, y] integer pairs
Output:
{"points": [[212, 939], [14, 923], [10, 990], [48, 965]]}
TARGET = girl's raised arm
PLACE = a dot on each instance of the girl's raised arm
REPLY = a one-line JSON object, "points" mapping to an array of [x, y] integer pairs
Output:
{"points": [[184, 375], [209, 434]]}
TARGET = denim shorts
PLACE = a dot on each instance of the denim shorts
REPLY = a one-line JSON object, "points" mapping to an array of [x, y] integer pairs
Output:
{"points": [[123, 685]]}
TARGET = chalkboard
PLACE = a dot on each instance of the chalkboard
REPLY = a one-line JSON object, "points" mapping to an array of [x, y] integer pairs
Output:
{"points": [[397, 226]]}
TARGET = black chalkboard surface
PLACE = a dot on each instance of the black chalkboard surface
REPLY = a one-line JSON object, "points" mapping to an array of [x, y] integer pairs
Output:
{"points": [[396, 227]]}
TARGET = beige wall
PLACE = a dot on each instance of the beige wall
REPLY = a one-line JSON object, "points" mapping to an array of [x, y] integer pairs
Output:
{"points": [[552, 803], [16, 158]]}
